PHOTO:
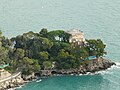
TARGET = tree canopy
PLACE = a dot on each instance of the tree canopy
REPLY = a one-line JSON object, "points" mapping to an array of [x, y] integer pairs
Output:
{"points": [[36, 51]]}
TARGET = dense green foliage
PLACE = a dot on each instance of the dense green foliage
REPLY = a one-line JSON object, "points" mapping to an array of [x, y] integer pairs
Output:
{"points": [[32, 52]]}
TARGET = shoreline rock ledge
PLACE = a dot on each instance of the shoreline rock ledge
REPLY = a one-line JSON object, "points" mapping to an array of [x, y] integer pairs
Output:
{"points": [[92, 67], [16, 82]]}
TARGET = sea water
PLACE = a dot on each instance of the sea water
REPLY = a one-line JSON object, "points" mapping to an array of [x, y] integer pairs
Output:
{"points": [[96, 18]]}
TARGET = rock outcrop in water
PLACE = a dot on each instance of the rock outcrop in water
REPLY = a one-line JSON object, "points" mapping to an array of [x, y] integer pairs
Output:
{"points": [[92, 67]]}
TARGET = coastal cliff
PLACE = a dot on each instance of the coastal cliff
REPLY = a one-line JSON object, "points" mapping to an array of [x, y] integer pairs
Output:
{"points": [[92, 66]]}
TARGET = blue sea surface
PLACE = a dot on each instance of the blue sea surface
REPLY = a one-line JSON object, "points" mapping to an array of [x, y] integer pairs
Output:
{"points": [[96, 18]]}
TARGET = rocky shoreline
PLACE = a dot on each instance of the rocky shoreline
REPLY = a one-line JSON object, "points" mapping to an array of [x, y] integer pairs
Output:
{"points": [[91, 67], [16, 82]]}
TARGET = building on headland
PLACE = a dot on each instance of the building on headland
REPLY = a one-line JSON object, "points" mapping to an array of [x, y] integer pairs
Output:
{"points": [[77, 36]]}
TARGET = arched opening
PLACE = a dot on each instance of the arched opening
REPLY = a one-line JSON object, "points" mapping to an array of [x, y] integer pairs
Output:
{"points": [[54, 72], [37, 74]]}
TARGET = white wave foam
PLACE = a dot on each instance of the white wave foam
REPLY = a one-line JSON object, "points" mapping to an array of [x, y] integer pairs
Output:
{"points": [[96, 73], [117, 66], [109, 70], [103, 72], [117, 63]]}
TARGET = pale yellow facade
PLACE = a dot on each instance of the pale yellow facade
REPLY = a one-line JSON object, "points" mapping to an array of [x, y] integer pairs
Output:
{"points": [[77, 36]]}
